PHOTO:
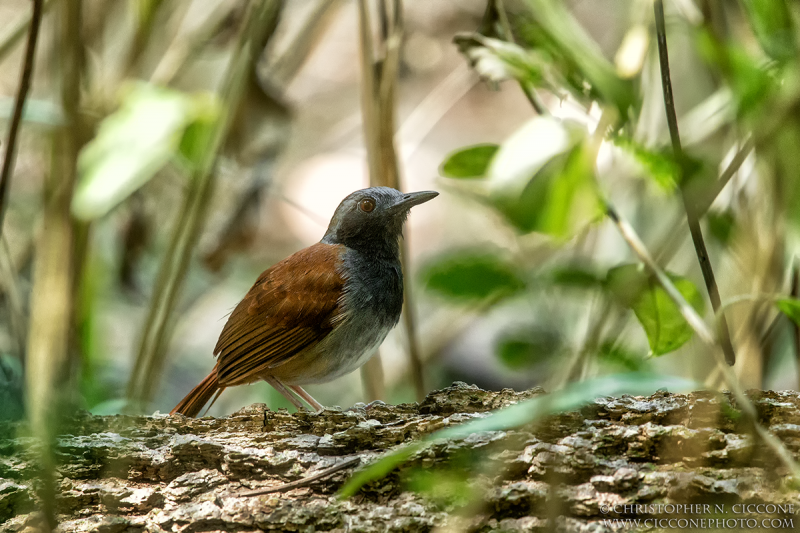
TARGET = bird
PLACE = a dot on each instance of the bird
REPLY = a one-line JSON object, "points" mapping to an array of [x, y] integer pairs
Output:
{"points": [[321, 312]]}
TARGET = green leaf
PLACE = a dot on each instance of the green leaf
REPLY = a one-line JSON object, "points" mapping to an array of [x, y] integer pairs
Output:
{"points": [[573, 43], [621, 357], [529, 149], [789, 307], [448, 485], [721, 225], [470, 162], [772, 24], [570, 398], [134, 143], [661, 319], [471, 275], [525, 349], [551, 190], [559, 197], [195, 142], [497, 60], [659, 165], [577, 276], [751, 85]]}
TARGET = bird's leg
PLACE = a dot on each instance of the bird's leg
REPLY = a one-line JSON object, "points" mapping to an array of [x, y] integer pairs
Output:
{"points": [[307, 397], [280, 387]]}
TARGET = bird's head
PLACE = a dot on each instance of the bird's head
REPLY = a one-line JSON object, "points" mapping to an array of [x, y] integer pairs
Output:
{"points": [[371, 220]]}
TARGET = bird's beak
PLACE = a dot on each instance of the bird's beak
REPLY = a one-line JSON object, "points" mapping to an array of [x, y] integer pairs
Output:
{"points": [[409, 200]]}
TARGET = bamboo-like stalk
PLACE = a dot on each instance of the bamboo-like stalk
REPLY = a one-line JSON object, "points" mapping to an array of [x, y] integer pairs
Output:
{"points": [[280, 72], [378, 89], [285, 67], [184, 48], [692, 216], [151, 357], [372, 371], [47, 368], [146, 14]]}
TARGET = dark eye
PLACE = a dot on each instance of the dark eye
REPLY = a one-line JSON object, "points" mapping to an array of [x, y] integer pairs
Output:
{"points": [[367, 205]]}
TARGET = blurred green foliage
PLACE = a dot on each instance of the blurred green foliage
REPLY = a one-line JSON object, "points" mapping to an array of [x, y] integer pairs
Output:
{"points": [[659, 316], [659, 164], [449, 486], [526, 348], [772, 24], [473, 275], [11, 391], [152, 126], [529, 411], [790, 307], [153, 110], [153, 100], [471, 162], [552, 176]]}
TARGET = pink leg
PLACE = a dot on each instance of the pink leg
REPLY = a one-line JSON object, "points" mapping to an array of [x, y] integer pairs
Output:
{"points": [[280, 387], [307, 397]]}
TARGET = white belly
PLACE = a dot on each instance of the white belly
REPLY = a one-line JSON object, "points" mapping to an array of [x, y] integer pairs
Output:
{"points": [[341, 352]]}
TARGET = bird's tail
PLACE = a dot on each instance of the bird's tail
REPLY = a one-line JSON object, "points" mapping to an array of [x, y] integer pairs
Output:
{"points": [[199, 396]]}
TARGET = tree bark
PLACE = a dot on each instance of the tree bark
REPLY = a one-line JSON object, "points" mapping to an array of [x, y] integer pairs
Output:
{"points": [[572, 472]]}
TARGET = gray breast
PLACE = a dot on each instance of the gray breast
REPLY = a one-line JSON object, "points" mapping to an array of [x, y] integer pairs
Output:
{"points": [[374, 287], [373, 299]]}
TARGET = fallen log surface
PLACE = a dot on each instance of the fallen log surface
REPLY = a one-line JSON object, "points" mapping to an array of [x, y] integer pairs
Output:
{"points": [[617, 458]]}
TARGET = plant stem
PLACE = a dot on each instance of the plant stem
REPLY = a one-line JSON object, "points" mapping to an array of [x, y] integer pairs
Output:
{"points": [[184, 48], [707, 337], [146, 11], [527, 88], [172, 273], [284, 68], [795, 326], [19, 104], [379, 84], [725, 177], [306, 481], [692, 216], [47, 366]]}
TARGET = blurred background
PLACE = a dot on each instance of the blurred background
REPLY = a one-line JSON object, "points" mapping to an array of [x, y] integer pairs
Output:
{"points": [[188, 170]]}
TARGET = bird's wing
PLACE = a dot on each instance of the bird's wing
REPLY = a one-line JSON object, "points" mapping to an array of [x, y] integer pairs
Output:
{"points": [[292, 306]]}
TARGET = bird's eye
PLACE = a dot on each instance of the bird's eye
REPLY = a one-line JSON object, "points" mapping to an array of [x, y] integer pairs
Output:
{"points": [[366, 205]]}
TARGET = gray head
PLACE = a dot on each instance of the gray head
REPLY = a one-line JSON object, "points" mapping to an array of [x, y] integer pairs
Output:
{"points": [[371, 220]]}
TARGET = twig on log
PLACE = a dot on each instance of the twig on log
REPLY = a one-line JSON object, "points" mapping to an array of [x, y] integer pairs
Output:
{"points": [[306, 480]]}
